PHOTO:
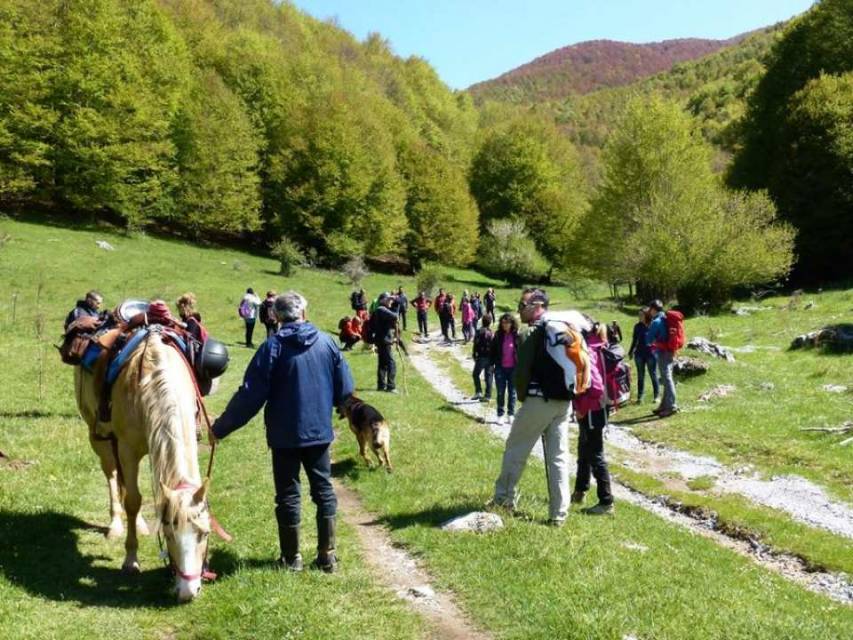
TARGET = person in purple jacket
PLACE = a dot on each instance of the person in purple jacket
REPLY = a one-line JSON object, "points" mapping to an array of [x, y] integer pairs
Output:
{"points": [[298, 375]]}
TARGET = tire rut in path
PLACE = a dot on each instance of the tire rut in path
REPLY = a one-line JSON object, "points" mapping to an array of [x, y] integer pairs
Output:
{"points": [[398, 570]]}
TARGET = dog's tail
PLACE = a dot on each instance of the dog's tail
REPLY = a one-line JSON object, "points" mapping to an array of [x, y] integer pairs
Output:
{"points": [[380, 434]]}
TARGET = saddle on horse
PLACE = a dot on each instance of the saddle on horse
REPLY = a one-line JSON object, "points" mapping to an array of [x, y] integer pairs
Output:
{"points": [[104, 347]]}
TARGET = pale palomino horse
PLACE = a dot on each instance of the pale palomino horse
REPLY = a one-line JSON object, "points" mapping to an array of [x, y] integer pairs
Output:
{"points": [[154, 413]]}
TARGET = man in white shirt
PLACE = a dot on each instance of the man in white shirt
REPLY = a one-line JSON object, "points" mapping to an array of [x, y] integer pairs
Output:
{"points": [[248, 310]]}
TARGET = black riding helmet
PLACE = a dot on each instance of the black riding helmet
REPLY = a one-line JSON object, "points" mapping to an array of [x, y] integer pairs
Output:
{"points": [[213, 360]]}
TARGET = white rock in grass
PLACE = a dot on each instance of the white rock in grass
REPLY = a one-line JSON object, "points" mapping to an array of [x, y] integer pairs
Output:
{"points": [[767, 386], [720, 391], [106, 246], [421, 592], [635, 546], [476, 522], [834, 388]]}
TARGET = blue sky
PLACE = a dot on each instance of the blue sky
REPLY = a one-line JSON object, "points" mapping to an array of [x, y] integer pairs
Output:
{"points": [[472, 40]]}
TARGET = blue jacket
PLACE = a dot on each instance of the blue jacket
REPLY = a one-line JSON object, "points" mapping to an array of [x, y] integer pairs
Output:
{"points": [[657, 331], [301, 375]]}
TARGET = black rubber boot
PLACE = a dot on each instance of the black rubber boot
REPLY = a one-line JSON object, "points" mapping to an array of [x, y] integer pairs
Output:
{"points": [[326, 560], [288, 538]]}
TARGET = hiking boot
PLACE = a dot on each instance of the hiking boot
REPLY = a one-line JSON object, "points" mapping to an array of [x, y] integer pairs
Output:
{"points": [[391, 391], [556, 522], [667, 412], [499, 507], [477, 397], [577, 497], [486, 399], [599, 510], [326, 560], [288, 538]]}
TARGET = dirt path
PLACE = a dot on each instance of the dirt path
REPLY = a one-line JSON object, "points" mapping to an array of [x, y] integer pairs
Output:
{"points": [[835, 586], [399, 571], [801, 499]]}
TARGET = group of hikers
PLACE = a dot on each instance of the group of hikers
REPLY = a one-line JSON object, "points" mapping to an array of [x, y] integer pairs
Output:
{"points": [[553, 365]]}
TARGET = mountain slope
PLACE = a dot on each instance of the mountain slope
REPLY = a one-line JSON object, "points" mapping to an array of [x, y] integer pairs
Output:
{"points": [[588, 66]]}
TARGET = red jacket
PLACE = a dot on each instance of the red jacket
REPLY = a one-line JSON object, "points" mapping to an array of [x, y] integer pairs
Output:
{"points": [[439, 300], [422, 304]]}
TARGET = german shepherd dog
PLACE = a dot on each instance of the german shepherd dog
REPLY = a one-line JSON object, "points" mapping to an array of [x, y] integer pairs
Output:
{"points": [[369, 427]]}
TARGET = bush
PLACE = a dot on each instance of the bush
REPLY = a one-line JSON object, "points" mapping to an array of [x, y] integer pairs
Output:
{"points": [[288, 254], [428, 280], [355, 270], [508, 252]]}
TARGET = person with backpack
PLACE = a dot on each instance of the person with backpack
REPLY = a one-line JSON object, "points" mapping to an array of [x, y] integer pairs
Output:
{"points": [[248, 310], [449, 307], [544, 394], [350, 332], [483, 360], [267, 315], [402, 306], [358, 303], [422, 304], [504, 352], [644, 356], [477, 305], [191, 318], [383, 326], [591, 411], [666, 336], [468, 319], [300, 375], [489, 301]]}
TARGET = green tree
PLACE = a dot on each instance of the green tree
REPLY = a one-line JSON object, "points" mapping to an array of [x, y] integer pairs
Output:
{"points": [[509, 252], [28, 44], [779, 117], [527, 171], [124, 70], [217, 155], [662, 219], [441, 213]]}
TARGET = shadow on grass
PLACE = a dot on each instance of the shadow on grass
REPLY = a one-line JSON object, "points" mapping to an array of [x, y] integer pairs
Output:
{"points": [[40, 554], [431, 517], [637, 420], [37, 413]]}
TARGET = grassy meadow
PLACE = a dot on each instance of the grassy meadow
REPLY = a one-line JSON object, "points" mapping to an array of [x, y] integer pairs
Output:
{"points": [[590, 579]]}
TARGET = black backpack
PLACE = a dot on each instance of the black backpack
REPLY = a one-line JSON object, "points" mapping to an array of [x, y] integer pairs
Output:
{"points": [[483, 343], [264, 313], [547, 373]]}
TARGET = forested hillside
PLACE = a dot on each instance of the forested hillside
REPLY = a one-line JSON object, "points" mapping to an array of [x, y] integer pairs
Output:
{"points": [[230, 117], [589, 66]]}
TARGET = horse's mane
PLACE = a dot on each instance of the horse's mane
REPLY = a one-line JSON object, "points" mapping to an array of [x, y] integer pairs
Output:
{"points": [[168, 402]]}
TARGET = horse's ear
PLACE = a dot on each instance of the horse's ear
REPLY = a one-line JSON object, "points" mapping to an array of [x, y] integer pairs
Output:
{"points": [[201, 492], [167, 492]]}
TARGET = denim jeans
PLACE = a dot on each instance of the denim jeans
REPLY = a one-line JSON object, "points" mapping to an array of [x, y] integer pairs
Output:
{"points": [[666, 362], [422, 323], [483, 365], [643, 363], [503, 380], [285, 470]]}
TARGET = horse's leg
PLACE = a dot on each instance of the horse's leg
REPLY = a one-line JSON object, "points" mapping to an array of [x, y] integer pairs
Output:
{"points": [[108, 465], [132, 505]]}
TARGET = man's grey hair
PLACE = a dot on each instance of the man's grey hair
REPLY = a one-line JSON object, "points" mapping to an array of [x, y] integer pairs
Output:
{"points": [[290, 306], [94, 295]]}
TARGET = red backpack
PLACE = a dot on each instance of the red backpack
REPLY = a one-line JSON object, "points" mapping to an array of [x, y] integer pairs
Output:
{"points": [[674, 330]]}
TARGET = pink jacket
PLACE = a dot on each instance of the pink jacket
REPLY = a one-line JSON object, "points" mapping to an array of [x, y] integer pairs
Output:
{"points": [[468, 314], [593, 398]]}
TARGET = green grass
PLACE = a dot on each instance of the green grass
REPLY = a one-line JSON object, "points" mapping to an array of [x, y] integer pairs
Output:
{"points": [[774, 527], [58, 577]]}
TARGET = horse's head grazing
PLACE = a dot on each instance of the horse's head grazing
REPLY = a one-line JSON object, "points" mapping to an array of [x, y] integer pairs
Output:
{"points": [[184, 519]]}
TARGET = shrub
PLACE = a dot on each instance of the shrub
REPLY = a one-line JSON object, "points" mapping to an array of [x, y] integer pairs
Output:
{"points": [[428, 280], [288, 254], [507, 251], [355, 270]]}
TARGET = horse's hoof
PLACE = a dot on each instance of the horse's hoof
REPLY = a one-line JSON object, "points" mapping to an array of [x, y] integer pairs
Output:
{"points": [[131, 569]]}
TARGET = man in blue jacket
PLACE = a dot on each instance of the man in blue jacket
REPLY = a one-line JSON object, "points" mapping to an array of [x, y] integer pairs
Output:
{"points": [[300, 375], [657, 337]]}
